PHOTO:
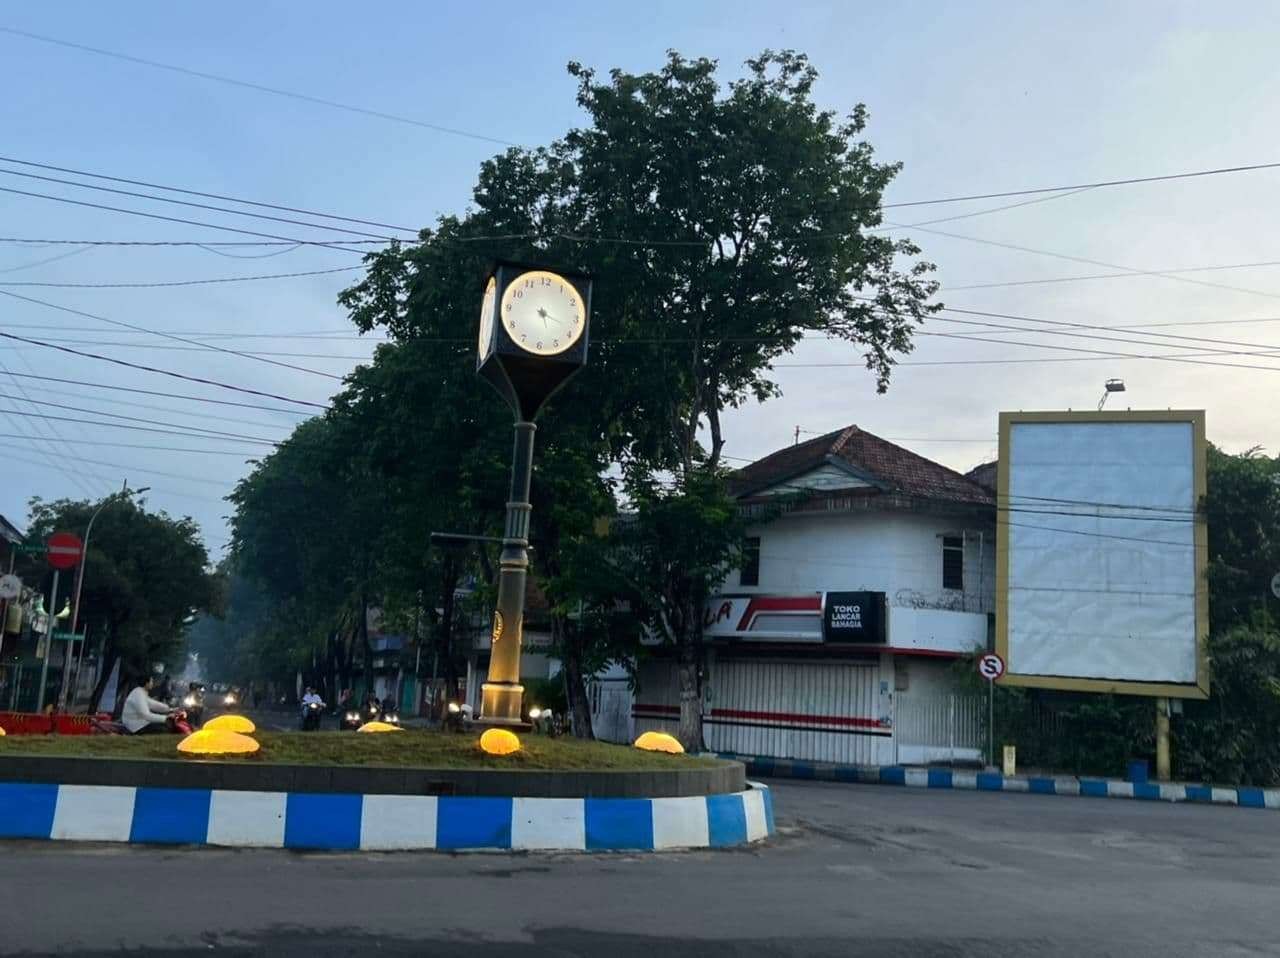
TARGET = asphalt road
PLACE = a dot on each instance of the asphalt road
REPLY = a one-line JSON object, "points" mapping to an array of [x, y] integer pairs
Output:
{"points": [[855, 870]]}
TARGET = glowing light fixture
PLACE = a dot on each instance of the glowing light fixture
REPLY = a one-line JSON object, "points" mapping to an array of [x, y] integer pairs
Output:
{"points": [[379, 727], [230, 723], [215, 742], [659, 742], [499, 741]]}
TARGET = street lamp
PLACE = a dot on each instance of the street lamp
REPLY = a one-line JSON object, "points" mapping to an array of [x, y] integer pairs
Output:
{"points": [[125, 493], [1109, 387]]}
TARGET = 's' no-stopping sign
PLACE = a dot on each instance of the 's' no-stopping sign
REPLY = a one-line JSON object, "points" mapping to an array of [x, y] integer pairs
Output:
{"points": [[990, 666]]}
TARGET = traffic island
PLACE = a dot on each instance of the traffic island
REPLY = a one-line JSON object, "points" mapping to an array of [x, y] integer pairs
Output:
{"points": [[415, 790]]}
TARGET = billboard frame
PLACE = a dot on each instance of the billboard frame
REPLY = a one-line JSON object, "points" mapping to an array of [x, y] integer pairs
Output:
{"points": [[1190, 690]]}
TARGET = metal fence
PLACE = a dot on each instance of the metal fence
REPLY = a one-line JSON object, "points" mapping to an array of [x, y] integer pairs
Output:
{"points": [[947, 727]]}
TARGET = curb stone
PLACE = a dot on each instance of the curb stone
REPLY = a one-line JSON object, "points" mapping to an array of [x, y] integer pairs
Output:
{"points": [[375, 822], [1243, 796]]}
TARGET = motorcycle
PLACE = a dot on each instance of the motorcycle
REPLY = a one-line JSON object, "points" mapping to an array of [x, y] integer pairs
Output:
{"points": [[311, 713], [457, 717], [353, 718], [191, 705], [230, 700]]}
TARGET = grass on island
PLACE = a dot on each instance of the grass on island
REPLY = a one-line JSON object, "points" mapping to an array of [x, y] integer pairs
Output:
{"points": [[410, 748]]}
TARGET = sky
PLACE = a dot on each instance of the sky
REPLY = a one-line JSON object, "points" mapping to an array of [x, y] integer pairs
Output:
{"points": [[972, 99]]}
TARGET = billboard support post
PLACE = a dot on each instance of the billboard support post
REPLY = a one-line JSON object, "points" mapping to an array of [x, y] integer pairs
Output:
{"points": [[1162, 740]]}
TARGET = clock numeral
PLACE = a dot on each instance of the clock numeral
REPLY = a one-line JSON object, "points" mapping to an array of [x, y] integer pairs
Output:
{"points": [[545, 281], [555, 342], [572, 301], [539, 345], [519, 293], [528, 284], [509, 305]]}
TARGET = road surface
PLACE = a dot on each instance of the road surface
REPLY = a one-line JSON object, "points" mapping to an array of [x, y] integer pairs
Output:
{"points": [[855, 870]]}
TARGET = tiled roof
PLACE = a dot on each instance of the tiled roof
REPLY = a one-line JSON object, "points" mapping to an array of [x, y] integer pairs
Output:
{"points": [[985, 474], [889, 467]]}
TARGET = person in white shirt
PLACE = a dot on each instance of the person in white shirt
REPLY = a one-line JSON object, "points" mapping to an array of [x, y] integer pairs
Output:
{"points": [[142, 714]]}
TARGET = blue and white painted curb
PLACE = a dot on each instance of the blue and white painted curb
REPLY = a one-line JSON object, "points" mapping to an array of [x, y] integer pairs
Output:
{"points": [[192, 816], [1243, 796]]}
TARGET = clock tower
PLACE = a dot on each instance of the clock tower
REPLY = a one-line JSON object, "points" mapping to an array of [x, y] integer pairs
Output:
{"points": [[533, 337]]}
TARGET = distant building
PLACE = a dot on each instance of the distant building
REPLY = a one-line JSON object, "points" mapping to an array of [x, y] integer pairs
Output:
{"points": [[869, 571]]}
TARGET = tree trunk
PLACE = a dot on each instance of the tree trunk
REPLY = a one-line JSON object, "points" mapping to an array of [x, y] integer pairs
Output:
{"points": [[575, 686], [688, 662], [109, 657]]}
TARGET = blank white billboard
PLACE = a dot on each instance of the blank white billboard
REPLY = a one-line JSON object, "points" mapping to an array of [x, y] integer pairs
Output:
{"points": [[1101, 552]]}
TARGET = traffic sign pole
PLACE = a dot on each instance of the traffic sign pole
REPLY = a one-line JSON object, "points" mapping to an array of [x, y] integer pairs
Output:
{"points": [[48, 639], [991, 667]]}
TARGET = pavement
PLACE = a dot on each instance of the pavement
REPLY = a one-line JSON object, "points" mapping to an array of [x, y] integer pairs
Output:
{"points": [[855, 870]]}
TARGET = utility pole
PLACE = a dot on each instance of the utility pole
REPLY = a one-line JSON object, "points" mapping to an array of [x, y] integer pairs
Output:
{"points": [[48, 640], [1163, 770]]}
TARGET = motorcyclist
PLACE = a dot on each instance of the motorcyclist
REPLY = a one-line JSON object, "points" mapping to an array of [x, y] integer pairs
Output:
{"points": [[143, 715], [311, 697]]}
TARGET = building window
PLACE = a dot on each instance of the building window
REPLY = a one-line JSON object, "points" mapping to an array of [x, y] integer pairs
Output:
{"points": [[749, 574], [953, 562]]}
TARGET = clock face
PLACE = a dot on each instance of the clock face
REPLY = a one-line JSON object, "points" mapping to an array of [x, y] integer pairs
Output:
{"points": [[486, 317], [543, 313]]}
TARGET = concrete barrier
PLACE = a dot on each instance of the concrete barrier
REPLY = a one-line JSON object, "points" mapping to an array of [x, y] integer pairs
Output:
{"points": [[380, 822]]}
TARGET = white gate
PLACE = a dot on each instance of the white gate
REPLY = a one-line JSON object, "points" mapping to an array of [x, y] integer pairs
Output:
{"points": [[939, 728], [826, 710]]}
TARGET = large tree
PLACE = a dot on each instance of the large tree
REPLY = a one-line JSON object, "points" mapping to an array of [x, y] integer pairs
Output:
{"points": [[723, 225], [145, 574]]}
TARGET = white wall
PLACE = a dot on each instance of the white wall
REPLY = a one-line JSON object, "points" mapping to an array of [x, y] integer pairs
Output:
{"points": [[897, 553]]}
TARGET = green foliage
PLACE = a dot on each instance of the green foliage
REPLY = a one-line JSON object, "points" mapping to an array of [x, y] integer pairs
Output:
{"points": [[1242, 507], [145, 574], [1235, 735], [727, 221]]}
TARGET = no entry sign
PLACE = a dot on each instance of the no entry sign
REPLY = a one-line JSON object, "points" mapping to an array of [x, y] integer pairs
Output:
{"points": [[990, 666], [64, 550]]}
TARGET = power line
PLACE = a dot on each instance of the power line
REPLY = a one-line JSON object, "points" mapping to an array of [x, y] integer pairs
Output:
{"points": [[178, 219], [46, 260], [38, 440], [167, 395], [1090, 186], [196, 432], [164, 372], [261, 88], [130, 468], [35, 241], [1126, 275], [121, 425], [1130, 341], [173, 410], [210, 196], [134, 445], [200, 206], [186, 282], [1083, 259], [164, 335]]}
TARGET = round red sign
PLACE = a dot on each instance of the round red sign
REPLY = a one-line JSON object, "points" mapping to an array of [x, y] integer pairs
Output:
{"points": [[64, 550]]}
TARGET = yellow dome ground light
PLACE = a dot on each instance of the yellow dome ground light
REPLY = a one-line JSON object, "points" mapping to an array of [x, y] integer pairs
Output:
{"points": [[659, 742], [230, 723], [217, 742], [499, 741], [379, 727]]}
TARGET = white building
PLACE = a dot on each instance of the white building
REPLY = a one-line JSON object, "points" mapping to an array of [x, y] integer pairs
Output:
{"points": [[870, 570]]}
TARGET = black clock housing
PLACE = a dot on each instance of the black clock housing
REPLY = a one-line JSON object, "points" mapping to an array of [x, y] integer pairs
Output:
{"points": [[527, 380]]}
